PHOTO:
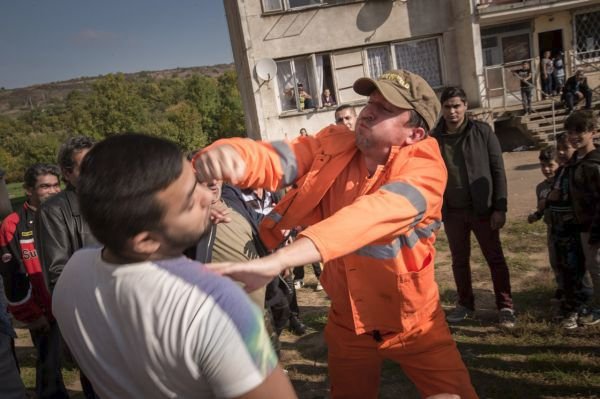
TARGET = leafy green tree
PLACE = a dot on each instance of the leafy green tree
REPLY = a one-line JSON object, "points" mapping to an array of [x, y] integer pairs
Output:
{"points": [[203, 94], [192, 112], [230, 117], [115, 106], [183, 125]]}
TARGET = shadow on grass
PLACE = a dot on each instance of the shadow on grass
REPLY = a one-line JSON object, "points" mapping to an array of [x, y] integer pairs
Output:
{"points": [[529, 166], [490, 385]]}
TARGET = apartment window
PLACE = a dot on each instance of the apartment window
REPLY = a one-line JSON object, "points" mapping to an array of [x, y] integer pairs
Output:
{"points": [[587, 34], [378, 59], [284, 5], [302, 81], [419, 56], [272, 5]]}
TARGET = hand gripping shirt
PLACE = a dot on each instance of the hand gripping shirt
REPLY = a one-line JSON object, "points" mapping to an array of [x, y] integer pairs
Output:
{"points": [[169, 328], [375, 232]]}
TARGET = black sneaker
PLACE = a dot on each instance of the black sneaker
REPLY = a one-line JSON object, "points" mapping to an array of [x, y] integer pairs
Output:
{"points": [[296, 326]]}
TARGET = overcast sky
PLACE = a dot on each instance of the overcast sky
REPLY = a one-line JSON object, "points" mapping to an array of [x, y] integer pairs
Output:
{"points": [[50, 40]]}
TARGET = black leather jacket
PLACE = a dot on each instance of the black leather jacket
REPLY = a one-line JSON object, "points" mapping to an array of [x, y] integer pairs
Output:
{"points": [[60, 231]]}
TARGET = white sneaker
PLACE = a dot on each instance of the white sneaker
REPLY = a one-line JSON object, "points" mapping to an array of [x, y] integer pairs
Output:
{"points": [[319, 287], [506, 318], [570, 321], [298, 284]]}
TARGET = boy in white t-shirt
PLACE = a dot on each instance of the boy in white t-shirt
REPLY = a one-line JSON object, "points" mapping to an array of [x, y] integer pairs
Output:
{"points": [[142, 320]]}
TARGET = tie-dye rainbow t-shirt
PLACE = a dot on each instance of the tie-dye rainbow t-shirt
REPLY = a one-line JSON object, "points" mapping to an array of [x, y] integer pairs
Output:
{"points": [[169, 328]]}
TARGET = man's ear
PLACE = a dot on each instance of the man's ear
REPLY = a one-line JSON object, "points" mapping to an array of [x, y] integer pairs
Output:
{"points": [[66, 173], [28, 190], [417, 134], [144, 243]]}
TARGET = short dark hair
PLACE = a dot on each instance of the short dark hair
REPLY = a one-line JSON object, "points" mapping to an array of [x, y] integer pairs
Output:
{"points": [[119, 180], [345, 106], [450, 92], [39, 169], [70, 147], [580, 121], [416, 120], [561, 138], [547, 154]]}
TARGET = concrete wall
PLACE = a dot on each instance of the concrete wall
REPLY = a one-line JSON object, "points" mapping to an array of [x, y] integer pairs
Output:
{"points": [[468, 41], [554, 21], [336, 29]]}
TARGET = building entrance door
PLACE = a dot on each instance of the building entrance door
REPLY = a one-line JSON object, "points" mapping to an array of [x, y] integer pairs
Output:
{"points": [[551, 41]]}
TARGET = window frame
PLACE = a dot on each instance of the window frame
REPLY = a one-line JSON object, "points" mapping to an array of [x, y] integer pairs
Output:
{"points": [[286, 8], [590, 55], [311, 63], [310, 60], [392, 54]]}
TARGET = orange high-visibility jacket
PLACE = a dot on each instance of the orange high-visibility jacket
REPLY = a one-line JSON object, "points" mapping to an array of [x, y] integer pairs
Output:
{"points": [[384, 237]]}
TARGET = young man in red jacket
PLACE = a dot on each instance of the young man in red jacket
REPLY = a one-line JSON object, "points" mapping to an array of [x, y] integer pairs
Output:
{"points": [[372, 200], [28, 297]]}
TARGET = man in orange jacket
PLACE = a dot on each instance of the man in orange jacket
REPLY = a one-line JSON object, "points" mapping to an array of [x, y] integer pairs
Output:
{"points": [[372, 200]]}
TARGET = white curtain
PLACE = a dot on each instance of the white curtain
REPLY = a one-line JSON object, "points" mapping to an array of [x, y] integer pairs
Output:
{"points": [[319, 78], [379, 61], [272, 5]]}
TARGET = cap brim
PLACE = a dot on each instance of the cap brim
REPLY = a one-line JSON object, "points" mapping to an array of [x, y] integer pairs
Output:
{"points": [[366, 86]]}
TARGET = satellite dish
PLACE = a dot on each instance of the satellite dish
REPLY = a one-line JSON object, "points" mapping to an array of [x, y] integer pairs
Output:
{"points": [[266, 69]]}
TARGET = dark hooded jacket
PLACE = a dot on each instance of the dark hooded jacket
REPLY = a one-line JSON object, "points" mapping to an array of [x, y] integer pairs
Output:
{"points": [[584, 178]]}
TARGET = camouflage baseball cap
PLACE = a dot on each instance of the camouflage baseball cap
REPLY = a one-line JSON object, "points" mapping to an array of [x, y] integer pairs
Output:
{"points": [[405, 90]]}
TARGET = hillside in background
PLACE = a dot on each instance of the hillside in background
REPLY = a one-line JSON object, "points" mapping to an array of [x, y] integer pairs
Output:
{"points": [[15, 101], [190, 106]]}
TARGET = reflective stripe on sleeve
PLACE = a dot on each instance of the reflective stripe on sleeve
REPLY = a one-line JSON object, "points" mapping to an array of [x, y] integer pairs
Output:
{"points": [[289, 164], [391, 250], [413, 196]]}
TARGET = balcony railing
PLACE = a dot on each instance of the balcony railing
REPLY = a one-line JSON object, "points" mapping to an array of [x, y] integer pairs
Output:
{"points": [[498, 2], [495, 5]]}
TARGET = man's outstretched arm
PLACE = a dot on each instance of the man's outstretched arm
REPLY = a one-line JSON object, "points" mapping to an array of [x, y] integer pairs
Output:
{"points": [[257, 273]]}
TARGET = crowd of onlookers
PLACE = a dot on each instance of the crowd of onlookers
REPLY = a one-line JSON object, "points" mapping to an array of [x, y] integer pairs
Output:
{"points": [[568, 204], [553, 83]]}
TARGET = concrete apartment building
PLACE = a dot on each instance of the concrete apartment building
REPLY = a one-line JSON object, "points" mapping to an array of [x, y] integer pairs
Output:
{"points": [[328, 44]]}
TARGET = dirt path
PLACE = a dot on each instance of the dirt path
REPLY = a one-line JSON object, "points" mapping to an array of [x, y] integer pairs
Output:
{"points": [[523, 175]]}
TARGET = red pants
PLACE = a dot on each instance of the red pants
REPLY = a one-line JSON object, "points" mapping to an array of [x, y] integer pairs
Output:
{"points": [[427, 354]]}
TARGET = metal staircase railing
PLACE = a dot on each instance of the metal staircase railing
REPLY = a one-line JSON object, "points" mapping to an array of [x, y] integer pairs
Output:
{"points": [[508, 92]]}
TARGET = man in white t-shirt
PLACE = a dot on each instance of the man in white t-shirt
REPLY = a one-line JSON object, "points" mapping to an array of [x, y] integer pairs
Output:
{"points": [[142, 320]]}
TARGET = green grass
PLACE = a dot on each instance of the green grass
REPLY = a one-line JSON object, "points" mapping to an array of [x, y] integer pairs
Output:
{"points": [[315, 320], [537, 359], [27, 359]]}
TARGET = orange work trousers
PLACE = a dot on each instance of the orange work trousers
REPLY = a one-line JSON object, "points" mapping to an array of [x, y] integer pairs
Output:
{"points": [[427, 354]]}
